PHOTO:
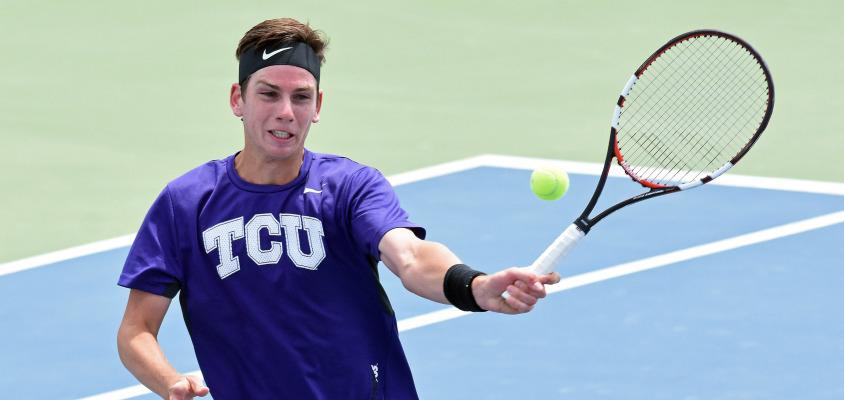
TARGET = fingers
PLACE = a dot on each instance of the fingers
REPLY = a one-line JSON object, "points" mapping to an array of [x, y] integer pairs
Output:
{"points": [[526, 275], [187, 387], [550, 278], [521, 300], [531, 283], [179, 390], [521, 289], [196, 386], [522, 297], [512, 305], [533, 289], [525, 288]]}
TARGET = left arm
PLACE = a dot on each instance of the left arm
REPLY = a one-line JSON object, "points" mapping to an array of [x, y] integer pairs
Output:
{"points": [[421, 265]]}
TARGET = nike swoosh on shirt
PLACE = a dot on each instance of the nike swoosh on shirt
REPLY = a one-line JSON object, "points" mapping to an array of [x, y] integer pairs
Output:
{"points": [[266, 56], [309, 190]]}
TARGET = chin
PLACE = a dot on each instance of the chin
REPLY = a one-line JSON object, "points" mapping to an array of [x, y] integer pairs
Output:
{"points": [[283, 154]]}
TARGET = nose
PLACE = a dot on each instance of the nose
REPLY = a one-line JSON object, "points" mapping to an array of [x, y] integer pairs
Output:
{"points": [[284, 110]]}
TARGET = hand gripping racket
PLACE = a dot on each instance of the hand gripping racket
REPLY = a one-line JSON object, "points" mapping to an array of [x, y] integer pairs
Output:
{"points": [[688, 114]]}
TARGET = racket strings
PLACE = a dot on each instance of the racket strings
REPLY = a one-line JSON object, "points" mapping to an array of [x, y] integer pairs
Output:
{"points": [[643, 86], [729, 144], [704, 117], [732, 137], [674, 53], [716, 160], [692, 110], [721, 144], [707, 145], [646, 128], [672, 108], [676, 123]]}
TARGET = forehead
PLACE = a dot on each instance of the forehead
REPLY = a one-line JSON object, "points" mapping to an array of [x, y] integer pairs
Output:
{"points": [[286, 77]]}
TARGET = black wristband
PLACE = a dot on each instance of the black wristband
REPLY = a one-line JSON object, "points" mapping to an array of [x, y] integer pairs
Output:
{"points": [[457, 287]]}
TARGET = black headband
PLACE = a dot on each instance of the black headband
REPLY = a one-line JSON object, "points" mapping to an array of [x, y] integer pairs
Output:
{"points": [[298, 54]]}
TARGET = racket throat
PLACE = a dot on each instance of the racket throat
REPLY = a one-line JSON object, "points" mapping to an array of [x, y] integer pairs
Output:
{"points": [[583, 223]]}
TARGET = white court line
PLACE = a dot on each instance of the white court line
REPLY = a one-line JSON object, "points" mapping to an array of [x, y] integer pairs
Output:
{"points": [[66, 254], [126, 240], [745, 181], [132, 391], [125, 393], [584, 279], [645, 264], [487, 160]]}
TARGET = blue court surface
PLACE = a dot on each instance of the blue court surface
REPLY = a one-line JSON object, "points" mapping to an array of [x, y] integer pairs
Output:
{"points": [[760, 321]]}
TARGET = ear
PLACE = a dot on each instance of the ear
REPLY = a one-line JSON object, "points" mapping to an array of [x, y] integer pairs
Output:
{"points": [[236, 100], [315, 119]]}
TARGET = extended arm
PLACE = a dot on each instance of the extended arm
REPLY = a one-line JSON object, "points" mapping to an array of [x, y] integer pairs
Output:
{"points": [[421, 265], [137, 344]]}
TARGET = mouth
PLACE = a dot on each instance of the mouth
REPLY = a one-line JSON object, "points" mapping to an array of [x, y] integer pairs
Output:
{"points": [[281, 135]]}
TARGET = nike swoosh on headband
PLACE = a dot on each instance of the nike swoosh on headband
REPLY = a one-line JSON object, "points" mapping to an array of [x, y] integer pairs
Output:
{"points": [[266, 56]]}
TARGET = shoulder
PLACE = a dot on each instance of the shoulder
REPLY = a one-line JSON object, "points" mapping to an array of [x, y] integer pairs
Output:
{"points": [[348, 181], [334, 165], [198, 182], [342, 171]]}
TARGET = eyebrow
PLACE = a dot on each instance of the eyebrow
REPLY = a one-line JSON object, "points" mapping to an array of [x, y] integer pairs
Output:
{"points": [[306, 88]]}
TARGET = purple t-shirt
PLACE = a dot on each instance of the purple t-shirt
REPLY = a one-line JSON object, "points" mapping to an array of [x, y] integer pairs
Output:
{"points": [[279, 284]]}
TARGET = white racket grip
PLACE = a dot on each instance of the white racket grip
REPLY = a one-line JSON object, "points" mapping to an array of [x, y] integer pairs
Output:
{"points": [[549, 259]]}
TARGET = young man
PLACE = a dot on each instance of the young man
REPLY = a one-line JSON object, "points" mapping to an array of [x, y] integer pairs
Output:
{"points": [[274, 252]]}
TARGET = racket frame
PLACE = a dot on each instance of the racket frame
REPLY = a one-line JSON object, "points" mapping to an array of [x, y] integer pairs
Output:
{"points": [[581, 226], [584, 222]]}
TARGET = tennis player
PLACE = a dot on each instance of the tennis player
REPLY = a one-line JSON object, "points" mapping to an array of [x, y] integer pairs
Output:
{"points": [[274, 250]]}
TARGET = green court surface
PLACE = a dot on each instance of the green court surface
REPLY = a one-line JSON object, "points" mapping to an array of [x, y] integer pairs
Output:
{"points": [[104, 102]]}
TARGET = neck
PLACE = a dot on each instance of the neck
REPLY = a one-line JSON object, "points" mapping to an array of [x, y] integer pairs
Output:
{"points": [[267, 171]]}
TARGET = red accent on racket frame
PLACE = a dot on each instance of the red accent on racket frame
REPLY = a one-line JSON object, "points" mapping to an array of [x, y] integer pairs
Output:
{"points": [[620, 158]]}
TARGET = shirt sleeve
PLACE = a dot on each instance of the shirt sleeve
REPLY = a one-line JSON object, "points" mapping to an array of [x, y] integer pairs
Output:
{"points": [[153, 262], [375, 210]]}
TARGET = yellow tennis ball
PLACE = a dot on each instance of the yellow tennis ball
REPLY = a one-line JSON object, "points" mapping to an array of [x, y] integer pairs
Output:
{"points": [[549, 183]]}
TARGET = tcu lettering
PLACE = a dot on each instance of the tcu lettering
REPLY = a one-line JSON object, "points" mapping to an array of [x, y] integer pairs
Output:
{"points": [[222, 235]]}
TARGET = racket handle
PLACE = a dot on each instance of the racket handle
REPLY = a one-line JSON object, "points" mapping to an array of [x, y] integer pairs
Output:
{"points": [[548, 260], [552, 255]]}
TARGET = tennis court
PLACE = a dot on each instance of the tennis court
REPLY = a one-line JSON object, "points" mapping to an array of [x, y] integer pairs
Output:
{"points": [[106, 102], [747, 308]]}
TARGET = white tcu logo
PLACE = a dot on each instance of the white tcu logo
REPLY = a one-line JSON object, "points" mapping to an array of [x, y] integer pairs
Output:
{"points": [[222, 235]]}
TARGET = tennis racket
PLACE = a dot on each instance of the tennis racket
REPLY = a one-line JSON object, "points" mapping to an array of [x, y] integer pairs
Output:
{"points": [[688, 114]]}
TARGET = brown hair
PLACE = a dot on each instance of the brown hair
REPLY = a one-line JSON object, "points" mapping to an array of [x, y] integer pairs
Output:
{"points": [[282, 30]]}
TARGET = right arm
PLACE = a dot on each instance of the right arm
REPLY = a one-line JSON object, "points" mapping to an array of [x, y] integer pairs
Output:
{"points": [[137, 344]]}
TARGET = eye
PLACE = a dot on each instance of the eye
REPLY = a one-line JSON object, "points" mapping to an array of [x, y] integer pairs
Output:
{"points": [[302, 97], [270, 95]]}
